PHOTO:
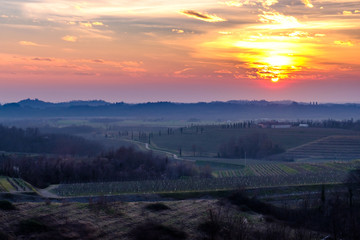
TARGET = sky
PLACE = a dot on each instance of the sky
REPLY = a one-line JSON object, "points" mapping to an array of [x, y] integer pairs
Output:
{"points": [[181, 51]]}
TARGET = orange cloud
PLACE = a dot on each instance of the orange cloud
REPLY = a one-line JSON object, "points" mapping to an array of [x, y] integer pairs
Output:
{"points": [[202, 16], [69, 38]]}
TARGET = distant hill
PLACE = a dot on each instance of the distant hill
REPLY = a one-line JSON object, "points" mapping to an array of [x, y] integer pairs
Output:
{"points": [[231, 110]]}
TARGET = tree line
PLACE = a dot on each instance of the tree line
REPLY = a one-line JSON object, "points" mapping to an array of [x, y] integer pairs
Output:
{"points": [[252, 146], [30, 140], [124, 164]]}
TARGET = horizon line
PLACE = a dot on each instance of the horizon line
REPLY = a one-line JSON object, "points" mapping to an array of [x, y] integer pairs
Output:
{"points": [[176, 102]]}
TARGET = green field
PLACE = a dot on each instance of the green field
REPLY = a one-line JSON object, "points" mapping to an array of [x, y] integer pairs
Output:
{"points": [[14, 185], [5, 185]]}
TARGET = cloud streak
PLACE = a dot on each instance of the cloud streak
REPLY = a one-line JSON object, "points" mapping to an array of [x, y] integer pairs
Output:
{"points": [[202, 16]]}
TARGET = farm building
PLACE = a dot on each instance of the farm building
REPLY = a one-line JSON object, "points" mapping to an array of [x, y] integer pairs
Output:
{"points": [[281, 126]]}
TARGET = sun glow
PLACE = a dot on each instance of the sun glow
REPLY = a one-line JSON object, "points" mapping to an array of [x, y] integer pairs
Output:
{"points": [[274, 67], [278, 61]]}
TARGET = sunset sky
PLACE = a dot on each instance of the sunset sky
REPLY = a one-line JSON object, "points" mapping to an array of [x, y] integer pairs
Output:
{"points": [[183, 51]]}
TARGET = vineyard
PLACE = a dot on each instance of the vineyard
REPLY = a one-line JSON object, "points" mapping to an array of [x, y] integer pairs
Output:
{"points": [[230, 179], [268, 168], [333, 147]]}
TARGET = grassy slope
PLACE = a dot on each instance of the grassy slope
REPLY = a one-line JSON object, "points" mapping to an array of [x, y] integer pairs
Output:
{"points": [[105, 220], [5, 186]]}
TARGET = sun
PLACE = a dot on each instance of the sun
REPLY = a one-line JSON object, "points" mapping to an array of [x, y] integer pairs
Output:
{"points": [[275, 67], [278, 61]]}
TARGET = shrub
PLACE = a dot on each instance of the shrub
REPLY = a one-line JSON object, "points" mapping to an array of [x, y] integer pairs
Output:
{"points": [[6, 205], [32, 226], [3, 236], [223, 225], [157, 207], [155, 231]]}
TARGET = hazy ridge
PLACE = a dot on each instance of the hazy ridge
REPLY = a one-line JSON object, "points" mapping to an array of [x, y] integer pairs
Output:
{"points": [[231, 110]]}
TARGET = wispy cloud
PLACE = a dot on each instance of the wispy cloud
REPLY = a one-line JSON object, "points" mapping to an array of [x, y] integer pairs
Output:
{"points": [[42, 59], [234, 3], [278, 18], [97, 24], [347, 13], [225, 33], [182, 71], [28, 43], [88, 24], [267, 3], [97, 60], [344, 43], [69, 38], [85, 24], [308, 3], [202, 16], [177, 30], [240, 3], [223, 71]]}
